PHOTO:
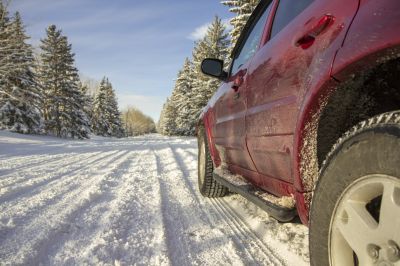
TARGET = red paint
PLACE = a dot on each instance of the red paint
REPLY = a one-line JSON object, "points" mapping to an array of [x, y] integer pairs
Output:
{"points": [[261, 123]]}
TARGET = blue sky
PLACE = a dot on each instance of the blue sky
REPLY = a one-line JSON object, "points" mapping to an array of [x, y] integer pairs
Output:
{"points": [[140, 45]]}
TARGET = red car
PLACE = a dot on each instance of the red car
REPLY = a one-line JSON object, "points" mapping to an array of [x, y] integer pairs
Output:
{"points": [[307, 122]]}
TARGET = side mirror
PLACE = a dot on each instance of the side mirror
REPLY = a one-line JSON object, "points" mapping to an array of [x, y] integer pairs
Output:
{"points": [[214, 68]]}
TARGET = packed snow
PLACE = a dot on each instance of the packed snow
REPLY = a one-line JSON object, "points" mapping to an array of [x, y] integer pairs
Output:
{"points": [[109, 201]]}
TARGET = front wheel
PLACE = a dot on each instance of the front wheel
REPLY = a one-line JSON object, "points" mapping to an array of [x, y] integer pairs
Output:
{"points": [[355, 212], [208, 186]]}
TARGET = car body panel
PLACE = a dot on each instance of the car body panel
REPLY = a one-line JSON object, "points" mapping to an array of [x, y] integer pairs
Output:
{"points": [[285, 88], [369, 44], [229, 117]]}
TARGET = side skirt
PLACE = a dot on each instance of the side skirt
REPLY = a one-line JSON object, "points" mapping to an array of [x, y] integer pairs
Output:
{"points": [[254, 194]]}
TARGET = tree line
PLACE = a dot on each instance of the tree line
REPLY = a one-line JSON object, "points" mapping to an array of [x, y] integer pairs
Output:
{"points": [[44, 94], [192, 89]]}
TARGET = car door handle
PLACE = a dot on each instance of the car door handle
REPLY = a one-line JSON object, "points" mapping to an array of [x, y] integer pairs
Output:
{"points": [[308, 38], [238, 80]]}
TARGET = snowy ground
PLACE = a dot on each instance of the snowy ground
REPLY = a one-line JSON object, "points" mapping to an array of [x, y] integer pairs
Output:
{"points": [[124, 202]]}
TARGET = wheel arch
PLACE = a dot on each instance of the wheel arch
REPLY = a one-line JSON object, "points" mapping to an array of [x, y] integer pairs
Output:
{"points": [[205, 123], [343, 102]]}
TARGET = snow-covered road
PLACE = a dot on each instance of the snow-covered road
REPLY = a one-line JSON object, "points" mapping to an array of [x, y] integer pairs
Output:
{"points": [[127, 201]]}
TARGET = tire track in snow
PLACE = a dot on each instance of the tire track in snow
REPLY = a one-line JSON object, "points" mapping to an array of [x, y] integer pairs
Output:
{"points": [[21, 211], [245, 234], [133, 217], [30, 241], [34, 184], [191, 238], [178, 251], [22, 174], [25, 173], [242, 234], [114, 217], [226, 205], [20, 163]]}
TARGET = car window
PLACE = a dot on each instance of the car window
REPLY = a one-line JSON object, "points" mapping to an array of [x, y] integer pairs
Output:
{"points": [[252, 42], [287, 10]]}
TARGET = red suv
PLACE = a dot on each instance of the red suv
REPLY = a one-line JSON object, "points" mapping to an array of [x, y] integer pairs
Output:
{"points": [[307, 122]]}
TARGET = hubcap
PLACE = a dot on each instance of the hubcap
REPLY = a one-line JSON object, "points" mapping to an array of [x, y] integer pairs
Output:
{"points": [[365, 225]]}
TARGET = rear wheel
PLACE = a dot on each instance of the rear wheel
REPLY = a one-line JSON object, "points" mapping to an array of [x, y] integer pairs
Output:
{"points": [[355, 212], [208, 186]]}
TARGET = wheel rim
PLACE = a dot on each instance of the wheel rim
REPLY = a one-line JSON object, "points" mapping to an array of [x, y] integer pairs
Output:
{"points": [[202, 162], [365, 225]]}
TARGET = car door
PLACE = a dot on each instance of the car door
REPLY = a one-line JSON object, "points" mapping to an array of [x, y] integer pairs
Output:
{"points": [[230, 108], [304, 37]]}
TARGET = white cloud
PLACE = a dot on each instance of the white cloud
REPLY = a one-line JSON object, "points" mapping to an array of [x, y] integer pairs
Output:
{"points": [[201, 31]]}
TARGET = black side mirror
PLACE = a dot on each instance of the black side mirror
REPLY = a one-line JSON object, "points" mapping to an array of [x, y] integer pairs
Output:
{"points": [[214, 68]]}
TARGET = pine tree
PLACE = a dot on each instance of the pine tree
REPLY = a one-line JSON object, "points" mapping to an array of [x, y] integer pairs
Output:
{"points": [[63, 105], [87, 99], [243, 10], [106, 118], [193, 89], [167, 124], [214, 45], [161, 121], [19, 94], [114, 115], [182, 98], [6, 50], [99, 120]]}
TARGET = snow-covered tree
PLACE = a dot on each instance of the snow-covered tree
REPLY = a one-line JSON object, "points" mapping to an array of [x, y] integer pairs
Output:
{"points": [[63, 105], [99, 119], [6, 50], [19, 94], [106, 118], [242, 10], [114, 115], [214, 45], [193, 89], [167, 123], [87, 99], [182, 99]]}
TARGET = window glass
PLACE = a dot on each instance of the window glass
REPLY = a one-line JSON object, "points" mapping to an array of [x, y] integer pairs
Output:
{"points": [[286, 12], [252, 42]]}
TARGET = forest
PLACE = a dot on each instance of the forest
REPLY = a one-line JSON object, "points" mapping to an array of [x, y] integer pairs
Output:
{"points": [[42, 92]]}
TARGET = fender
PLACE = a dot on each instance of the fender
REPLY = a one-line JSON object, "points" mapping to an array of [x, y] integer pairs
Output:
{"points": [[369, 42]]}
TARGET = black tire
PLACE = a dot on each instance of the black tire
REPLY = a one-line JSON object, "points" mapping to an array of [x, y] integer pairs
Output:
{"points": [[208, 186], [370, 148]]}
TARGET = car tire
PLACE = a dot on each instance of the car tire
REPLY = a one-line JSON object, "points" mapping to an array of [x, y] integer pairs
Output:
{"points": [[355, 210], [208, 186]]}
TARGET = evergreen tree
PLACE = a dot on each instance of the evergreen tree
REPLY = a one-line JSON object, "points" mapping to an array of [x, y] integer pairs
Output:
{"points": [[182, 98], [63, 105], [99, 120], [193, 89], [87, 99], [161, 121], [243, 10], [214, 45], [5, 42], [19, 94], [106, 118], [114, 115], [167, 124]]}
